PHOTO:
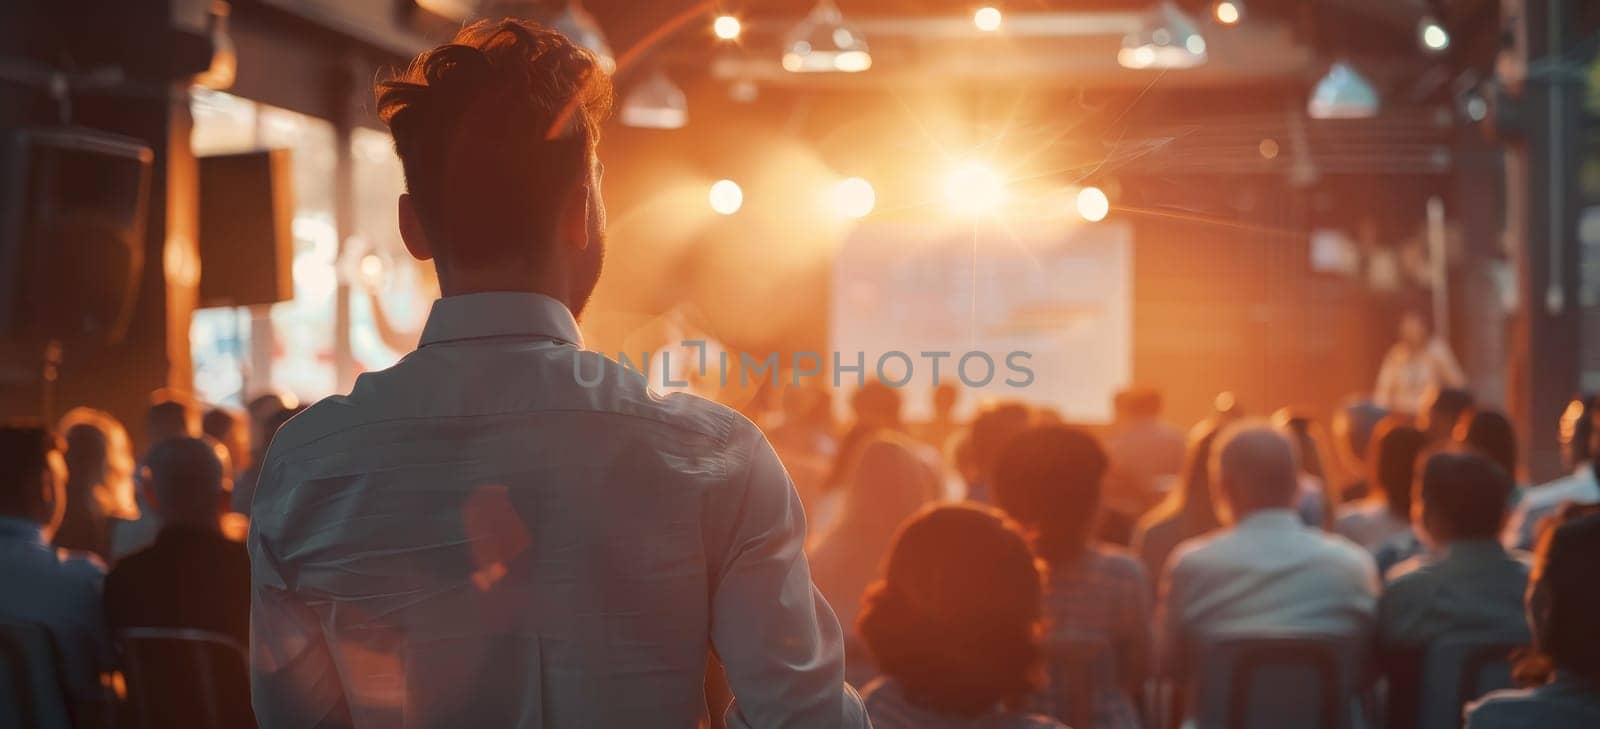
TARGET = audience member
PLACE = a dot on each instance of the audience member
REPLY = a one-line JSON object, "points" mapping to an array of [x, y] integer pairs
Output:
{"points": [[99, 481], [1467, 582], [1187, 512], [1580, 441], [1267, 574], [1563, 600], [953, 625], [503, 528], [221, 425], [941, 425], [1146, 456], [874, 407], [1314, 503], [994, 426], [804, 438], [57, 589], [1442, 409], [168, 417], [1353, 425], [1416, 364], [1491, 433], [1049, 479], [1386, 512], [889, 482], [191, 576]]}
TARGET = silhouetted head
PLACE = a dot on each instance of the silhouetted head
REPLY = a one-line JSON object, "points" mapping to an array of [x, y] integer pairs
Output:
{"points": [[32, 475], [1393, 460], [1461, 495], [994, 426], [497, 132], [1442, 408], [1137, 403], [876, 405], [1049, 479], [1253, 468], [1493, 435], [189, 481], [1414, 329], [168, 418], [1563, 594], [953, 619], [99, 460]]}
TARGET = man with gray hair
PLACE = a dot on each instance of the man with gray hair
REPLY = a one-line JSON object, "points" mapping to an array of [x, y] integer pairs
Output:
{"points": [[1266, 574]]}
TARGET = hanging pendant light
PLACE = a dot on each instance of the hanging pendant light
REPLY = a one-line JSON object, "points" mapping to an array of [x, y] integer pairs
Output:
{"points": [[1343, 94], [824, 43], [1166, 38], [656, 103]]}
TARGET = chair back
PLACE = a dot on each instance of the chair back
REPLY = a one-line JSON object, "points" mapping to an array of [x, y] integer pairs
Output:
{"points": [[1460, 668], [32, 692], [1076, 666], [1307, 682], [186, 677]]}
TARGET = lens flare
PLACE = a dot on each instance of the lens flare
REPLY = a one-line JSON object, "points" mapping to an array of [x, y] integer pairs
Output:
{"points": [[1093, 204], [726, 197], [974, 189]]}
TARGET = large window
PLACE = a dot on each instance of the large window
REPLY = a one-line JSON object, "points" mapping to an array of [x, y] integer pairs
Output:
{"points": [[288, 346]]}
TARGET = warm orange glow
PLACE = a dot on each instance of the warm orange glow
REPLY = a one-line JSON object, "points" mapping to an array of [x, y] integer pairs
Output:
{"points": [[727, 27], [1227, 13]]}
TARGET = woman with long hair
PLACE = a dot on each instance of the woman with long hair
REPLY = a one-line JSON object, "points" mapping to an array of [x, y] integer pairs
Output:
{"points": [[1050, 479], [1315, 503], [1386, 511], [1187, 512], [1563, 600], [888, 482], [953, 625], [100, 490]]}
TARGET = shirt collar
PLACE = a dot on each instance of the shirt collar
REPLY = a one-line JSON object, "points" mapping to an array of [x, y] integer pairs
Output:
{"points": [[1271, 519], [1475, 549], [18, 529], [500, 314]]}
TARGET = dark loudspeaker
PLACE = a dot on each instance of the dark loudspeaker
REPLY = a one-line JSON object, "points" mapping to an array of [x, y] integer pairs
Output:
{"points": [[72, 234], [246, 233]]}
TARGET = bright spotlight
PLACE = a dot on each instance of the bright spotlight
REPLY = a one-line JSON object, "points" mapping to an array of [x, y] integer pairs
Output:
{"points": [[1434, 37], [973, 189], [726, 197], [727, 27], [1227, 12], [987, 19], [1093, 204], [853, 197]]}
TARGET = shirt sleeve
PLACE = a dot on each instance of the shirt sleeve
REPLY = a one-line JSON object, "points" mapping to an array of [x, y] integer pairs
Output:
{"points": [[294, 681], [1401, 613], [778, 640]]}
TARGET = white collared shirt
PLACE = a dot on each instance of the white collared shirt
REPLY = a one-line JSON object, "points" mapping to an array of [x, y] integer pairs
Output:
{"points": [[1581, 487], [1268, 575], [486, 535]]}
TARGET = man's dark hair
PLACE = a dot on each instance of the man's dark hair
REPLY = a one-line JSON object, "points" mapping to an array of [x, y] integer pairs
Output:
{"points": [[492, 130], [1493, 435], [1048, 478], [1468, 491], [1393, 461], [25, 450], [1445, 407]]}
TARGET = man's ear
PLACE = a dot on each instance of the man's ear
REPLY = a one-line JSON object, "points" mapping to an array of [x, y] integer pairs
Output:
{"points": [[411, 230], [575, 217]]}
